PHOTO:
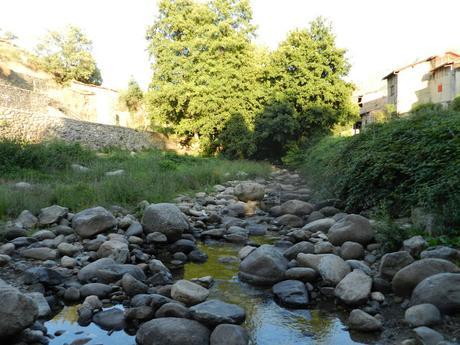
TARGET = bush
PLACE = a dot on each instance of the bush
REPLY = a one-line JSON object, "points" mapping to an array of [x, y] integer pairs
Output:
{"points": [[405, 163], [132, 97], [455, 105]]}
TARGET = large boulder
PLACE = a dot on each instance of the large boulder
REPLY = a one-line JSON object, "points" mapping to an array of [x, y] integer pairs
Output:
{"points": [[441, 252], [441, 290], [215, 312], [52, 214], [93, 221], [393, 262], [355, 288], [249, 191], [166, 219], [106, 271], [112, 319], [353, 228], [172, 331], [291, 293], [229, 335], [264, 266], [297, 207], [410, 276], [17, 311], [114, 249], [188, 292], [26, 220], [42, 304]]}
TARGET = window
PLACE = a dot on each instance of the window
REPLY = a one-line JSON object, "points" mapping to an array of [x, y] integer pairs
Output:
{"points": [[392, 90], [439, 87]]}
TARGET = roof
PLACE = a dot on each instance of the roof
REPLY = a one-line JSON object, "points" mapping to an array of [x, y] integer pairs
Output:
{"points": [[455, 56]]}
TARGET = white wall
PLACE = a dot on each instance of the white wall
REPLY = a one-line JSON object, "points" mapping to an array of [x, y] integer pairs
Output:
{"points": [[413, 87]]}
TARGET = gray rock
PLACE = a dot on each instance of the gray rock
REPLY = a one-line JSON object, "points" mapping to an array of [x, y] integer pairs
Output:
{"points": [[324, 247], [41, 303], [291, 293], [72, 294], [333, 269], [119, 172], [257, 229], [44, 235], [353, 228], [290, 220], [355, 288], [393, 262], [441, 290], [249, 191], [229, 335], [17, 311], [414, 245], [296, 207], [351, 250], [52, 214], [188, 293], [302, 273], [360, 265], [215, 312], [322, 225], [135, 229], [156, 237], [114, 249], [93, 221], [301, 247], [197, 256], [68, 249], [423, 315], [362, 321], [39, 253], [132, 286], [42, 275], [427, 336], [112, 319], [264, 266], [142, 313], [166, 219], [106, 271], [95, 289], [26, 220], [173, 309], [408, 278], [172, 331], [441, 252], [4, 259]]}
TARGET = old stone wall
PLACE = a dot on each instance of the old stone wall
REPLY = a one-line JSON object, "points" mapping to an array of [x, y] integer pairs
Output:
{"points": [[38, 127]]}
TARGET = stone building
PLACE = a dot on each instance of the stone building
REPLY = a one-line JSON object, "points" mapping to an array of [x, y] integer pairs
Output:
{"points": [[435, 79]]}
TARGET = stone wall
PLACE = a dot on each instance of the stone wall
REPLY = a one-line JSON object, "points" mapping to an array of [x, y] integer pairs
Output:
{"points": [[38, 127]]}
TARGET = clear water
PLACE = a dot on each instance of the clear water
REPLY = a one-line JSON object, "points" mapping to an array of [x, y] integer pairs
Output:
{"points": [[267, 322]]}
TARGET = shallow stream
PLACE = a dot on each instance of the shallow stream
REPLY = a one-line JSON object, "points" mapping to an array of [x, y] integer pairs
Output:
{"points": [[267, 322]]}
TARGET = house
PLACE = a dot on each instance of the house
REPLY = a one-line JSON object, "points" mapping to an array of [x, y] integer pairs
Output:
{"points": [[371, 106], [432, 80]]}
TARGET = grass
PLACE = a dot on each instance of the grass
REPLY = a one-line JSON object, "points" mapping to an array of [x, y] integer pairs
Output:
{"points": [[151, 175]]}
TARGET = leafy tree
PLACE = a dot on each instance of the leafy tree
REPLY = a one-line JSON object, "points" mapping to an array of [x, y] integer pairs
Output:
{"points": [[205, 68], [67, 55], [275, 129], [133, 96], [307, 71], [7, 35]]}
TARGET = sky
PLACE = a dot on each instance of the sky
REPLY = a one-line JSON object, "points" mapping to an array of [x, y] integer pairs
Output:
{"points": [[379, 35]]}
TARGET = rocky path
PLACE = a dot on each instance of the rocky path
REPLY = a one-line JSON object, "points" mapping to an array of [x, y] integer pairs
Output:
{"points": [[101, 257]]}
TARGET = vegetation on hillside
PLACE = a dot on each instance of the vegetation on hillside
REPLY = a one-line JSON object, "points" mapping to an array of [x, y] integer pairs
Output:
{"points": [[212, 83], [396, 166], [67, 55], [150, 175]]}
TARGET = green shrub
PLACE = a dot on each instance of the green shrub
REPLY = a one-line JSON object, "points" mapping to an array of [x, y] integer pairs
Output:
{"points": [[408, 162], [455, 105]]}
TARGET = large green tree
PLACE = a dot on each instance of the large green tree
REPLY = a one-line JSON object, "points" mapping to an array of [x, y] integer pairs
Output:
{"points": [[307, 72], [205, 68], [67, 54]]}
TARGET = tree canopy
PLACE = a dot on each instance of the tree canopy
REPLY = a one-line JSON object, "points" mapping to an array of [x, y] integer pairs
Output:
{"points": [[213, 83], [67, 54]]}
